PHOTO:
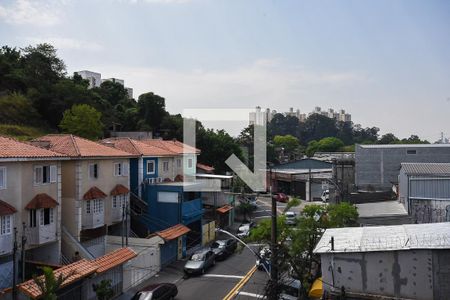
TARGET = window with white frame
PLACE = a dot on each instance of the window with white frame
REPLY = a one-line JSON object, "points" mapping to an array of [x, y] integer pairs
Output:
{"points": [[150, 167], [5, 224], [190, 163], [119, 201], [179, 163], [165, 166], [2, 178], [45, 174], [93, 171], [120, 169], [94, 206], [45, 216], [32, 218]]}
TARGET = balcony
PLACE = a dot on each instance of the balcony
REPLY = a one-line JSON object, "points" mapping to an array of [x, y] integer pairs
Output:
{"points": [[6, 244], [93, 220], [116, 214], [42, 234]]}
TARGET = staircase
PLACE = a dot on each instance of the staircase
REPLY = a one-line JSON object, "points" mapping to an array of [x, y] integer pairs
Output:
{"points": [[70, 245]]}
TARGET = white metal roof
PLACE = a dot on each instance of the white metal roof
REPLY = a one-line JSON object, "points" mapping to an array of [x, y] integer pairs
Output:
{"points": [[406, 146], [426, 168], [386, 238], [215, 176]]}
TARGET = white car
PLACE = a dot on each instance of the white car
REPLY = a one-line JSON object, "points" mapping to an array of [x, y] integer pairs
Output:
{"points": [[291, 218], [325, 196], [243, 231]]}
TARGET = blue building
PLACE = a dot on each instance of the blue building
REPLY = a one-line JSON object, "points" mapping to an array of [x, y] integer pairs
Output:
{"points": [[159, 178]]}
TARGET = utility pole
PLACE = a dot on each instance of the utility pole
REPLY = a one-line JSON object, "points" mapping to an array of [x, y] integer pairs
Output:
{"points": [[126, 223], [24, 241], [14, 287], [122, 231], [273, 292]]}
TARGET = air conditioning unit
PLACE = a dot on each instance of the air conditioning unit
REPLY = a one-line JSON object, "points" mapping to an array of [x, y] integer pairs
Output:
{"points": [[150, 180], [159, 179]]}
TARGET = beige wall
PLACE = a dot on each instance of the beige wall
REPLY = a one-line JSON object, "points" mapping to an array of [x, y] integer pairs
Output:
{"points": [[76, 183], [20, 190], [174, 170]]}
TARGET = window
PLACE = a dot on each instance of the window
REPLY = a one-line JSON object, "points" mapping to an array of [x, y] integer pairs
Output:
{"points": [[46, 216], [150, 167], [411, 151], [45, 174], [93, 171], [118, 169], [33, 222], [94, 206], [178, 163], [190, 163], [119, 201], [2, 178], [5, 224], [165, 166]]}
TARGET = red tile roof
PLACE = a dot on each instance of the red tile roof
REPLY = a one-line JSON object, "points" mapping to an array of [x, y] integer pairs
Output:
{"points": [[205, 168], [41, 201], [11, 148], [137, 147], [113, 259], [94, 193], [173, 232], [119, 190], [224, 208], [75, 146], [173, 146], [73, 272], [6, 209]]}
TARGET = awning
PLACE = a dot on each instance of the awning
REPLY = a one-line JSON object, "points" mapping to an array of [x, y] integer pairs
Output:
{"points": [[6, 209], [94, 193], [41, 201], [316, 289], [114, 259], [173, 232], [119, 190], [224, 209]]}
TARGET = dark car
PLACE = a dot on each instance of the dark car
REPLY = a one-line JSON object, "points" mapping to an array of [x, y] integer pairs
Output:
{"points": [[199, 262], [224, 248], [161, 291], [280, 197]]}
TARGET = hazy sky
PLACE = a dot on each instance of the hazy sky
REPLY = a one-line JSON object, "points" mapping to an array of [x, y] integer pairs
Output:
{"points": [[385, 62]]}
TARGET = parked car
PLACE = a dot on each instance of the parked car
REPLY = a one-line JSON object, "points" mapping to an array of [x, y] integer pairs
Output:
{"points": [[289, 289], [325, 196], [291, 218], [223, 248], [160, 291], [199, 262], [244, 229], [280, 197]]}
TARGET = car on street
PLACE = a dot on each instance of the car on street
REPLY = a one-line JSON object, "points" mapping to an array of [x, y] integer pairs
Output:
{"points": [[325, 196], [280, 197], [199, 262], [291, 218], [289, 289], [263, 262], [160, 291], [224, 248], [244, 229]]}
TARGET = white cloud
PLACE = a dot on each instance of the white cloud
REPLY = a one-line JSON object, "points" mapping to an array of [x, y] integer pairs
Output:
{"points": [[66, 43], [28, 12]]}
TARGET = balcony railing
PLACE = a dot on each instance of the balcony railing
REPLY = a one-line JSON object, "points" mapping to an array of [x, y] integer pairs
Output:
{"points": [[42, 234]]}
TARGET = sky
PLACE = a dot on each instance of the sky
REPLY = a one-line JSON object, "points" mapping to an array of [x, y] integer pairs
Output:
{"points": [[385, 62]]}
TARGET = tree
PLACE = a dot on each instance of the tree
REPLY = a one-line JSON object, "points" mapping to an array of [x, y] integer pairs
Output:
{"points": [[245, 209], [151, 111], [103, 290], [288, 142], [317, 127], [17, 109], [49, 284], [328, 144], [388, 138], [82, 120]]}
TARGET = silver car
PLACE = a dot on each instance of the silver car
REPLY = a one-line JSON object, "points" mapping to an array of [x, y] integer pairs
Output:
{"points": [[291, 218], [199, 262]]}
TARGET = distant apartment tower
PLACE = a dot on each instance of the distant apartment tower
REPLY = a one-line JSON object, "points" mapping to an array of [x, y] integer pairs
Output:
{"points": [[257, 117], [340, 115], [94, 78]]}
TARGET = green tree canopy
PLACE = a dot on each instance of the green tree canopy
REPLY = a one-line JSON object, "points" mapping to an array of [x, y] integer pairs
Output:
{"points": [[288, 142], [151, 111], [328, 144], [82, 120]]}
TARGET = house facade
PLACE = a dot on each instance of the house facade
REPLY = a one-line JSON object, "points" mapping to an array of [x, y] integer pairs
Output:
{"points": [[30, 207], [94, 194], [424, 190]]}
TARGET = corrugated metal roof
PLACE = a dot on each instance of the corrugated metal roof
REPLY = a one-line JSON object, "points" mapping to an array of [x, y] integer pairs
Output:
{"points": [[442, 169], [304, 164], [386, 238]]}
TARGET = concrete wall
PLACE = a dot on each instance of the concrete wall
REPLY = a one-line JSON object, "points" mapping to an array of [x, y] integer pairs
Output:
{"points": [[378, 167], [407, 274]]}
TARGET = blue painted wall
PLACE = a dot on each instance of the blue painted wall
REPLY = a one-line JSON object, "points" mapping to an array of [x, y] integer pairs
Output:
{"points": [[145, 160], [134, 185]]}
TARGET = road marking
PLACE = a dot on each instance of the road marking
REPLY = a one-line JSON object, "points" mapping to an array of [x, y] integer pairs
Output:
{"points": [[257, 296], [240, 284], [223, 276]]}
